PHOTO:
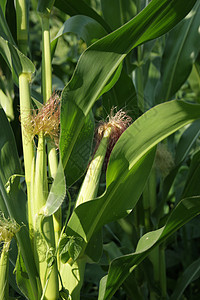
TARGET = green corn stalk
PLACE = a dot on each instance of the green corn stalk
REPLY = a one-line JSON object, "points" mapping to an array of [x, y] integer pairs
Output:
{"points": [[4, 268], [22, 30], [73, 273], [28, 148], [47, 92]]}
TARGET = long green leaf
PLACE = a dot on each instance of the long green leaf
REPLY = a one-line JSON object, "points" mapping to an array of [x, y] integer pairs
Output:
{"points": [[117, 12], [13, 201], [4, 29], [57, 193], [23, 241], [79, 7], [79, 158], [16, 61], [181, 50], [22, 278], [186, 141], [192, 187], [9, 160], [129, 166], [123, 96], [122, 266], [3, 5], [99, 62], [85, 27]]}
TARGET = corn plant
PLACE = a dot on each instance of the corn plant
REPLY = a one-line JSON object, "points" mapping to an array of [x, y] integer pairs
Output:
{"points": [[136, 56]]}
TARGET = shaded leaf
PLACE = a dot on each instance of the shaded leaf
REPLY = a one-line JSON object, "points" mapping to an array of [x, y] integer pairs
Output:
{"points": [[192, 187], [186, 278], [181, 50], [79, 7], [16, 60], [80, 155], [22, 278], [186, 141], [84, 27], [117, 12]]}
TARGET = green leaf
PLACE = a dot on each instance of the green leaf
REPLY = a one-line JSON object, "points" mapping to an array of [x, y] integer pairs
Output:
{"points": [[122, 266], [192, 187], [194, 81], [123, 96], [79, 7], [23, 240], [56, 194], [118, 200], [14, 203], [186, 141], [181, 50], [9, 160], [7, 103], [101, 59], [84, 27], [4, 29], [22, 278], [94, 248], [115, 77], [129, 166], [3, 5], [69, 247], [186, 278], [16, 60], [117, 12], [80, 155]]}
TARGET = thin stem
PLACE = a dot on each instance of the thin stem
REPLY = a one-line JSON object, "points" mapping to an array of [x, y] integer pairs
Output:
{"points": [[46, 60], [4, 267], [57, 249], [73, 274], [163, 280], [22, 31], [47, 92], [28, 148], [146, 206], [44, 237]]}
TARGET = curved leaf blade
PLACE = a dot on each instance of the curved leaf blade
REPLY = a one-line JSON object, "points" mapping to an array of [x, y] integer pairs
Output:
{"points": [[182, 48], [122, 266], [84, 27], [186, 278], [186, 141], [129, 166], [79, 7], [100, 60], [56, 194], [16, 60]]}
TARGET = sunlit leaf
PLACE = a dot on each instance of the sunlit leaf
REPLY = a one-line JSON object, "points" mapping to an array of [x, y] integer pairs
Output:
{"points": [[129, 166]]}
